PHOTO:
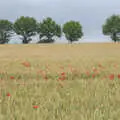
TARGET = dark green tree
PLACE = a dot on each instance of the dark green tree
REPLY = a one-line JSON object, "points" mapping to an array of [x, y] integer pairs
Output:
{"points": [[112, 27], [72, 31], [48, 29], [5, 31], [26, 27]]}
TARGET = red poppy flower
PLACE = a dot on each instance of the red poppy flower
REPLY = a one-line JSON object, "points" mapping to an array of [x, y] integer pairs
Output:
{"points": [[93, 75], [8, 94], [62, 78], [26, 64], [63, 73], [111, 77], [12, 77], [118, 76], [87, 73], [94, 70], [35, 106]]}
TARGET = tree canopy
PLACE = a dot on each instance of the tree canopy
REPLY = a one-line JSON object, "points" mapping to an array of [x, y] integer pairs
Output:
{"points": [[5, 31], [112, 27], [48, 29], [72, 31], [26, 27]]}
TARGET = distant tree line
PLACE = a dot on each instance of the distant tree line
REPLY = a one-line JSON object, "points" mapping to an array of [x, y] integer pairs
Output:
{"points": [[48, 29]]}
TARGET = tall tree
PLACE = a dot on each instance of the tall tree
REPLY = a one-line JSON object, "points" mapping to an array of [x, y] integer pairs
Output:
{"points": [[5, 31], [48, 29], [112, 27], [26, 27], [72, 31]]}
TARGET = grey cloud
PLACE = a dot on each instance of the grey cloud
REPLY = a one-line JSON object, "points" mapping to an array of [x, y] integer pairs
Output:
{"points": [[90, 13]]}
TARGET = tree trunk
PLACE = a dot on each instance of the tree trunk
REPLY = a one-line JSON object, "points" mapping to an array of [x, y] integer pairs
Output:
{"points": [[70, 41], [3, 38], [49, 39], [114, 37], [25, 41]]}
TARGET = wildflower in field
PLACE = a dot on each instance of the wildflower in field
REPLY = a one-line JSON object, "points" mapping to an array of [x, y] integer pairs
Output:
{"points": [[62, 76], [99, 65], [63, 73], [35, 106], [26, 64], [87, 73], [40, 71], [118, 76], [8, 94], [12, 77], [71, 68], [93, 75], [111, 76], [94, 69], [43, 74], [45, 77]]}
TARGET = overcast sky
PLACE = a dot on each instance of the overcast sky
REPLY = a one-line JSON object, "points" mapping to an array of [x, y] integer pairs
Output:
{"points": [[91, 13]]}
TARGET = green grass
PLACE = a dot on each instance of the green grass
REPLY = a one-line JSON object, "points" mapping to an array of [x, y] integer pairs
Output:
{"points": [[85, 93]]}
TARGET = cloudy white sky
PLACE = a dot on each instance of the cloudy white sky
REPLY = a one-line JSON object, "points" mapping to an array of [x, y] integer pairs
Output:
{"points": [[90, 13]]}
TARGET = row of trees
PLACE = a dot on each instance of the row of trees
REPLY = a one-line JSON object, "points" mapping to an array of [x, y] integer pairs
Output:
{"points": [[112, 27], [48, 29]]}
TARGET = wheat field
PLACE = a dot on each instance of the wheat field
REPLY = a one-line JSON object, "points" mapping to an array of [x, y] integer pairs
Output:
{"points": [[60, 82]]}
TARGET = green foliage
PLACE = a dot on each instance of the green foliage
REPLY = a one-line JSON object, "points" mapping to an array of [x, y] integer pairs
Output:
{"points": [[72, 31], [5, 31], [26, 27], [48, 29], [112, 27]]}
